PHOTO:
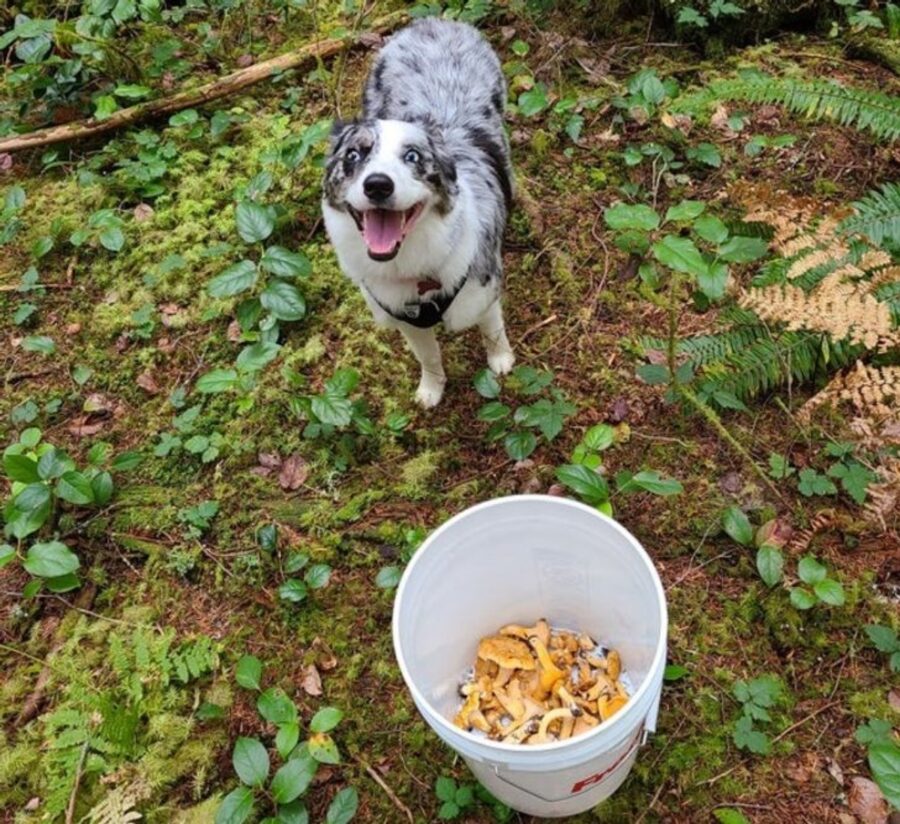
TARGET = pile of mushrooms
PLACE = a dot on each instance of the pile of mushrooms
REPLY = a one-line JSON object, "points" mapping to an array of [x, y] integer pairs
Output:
{"points": [[534, 685]]}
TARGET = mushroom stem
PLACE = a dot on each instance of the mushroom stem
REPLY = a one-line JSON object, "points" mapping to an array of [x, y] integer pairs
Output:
{"points": [[549, 718], [549, 672]]}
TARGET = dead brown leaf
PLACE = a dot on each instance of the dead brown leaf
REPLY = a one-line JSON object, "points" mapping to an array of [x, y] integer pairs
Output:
{"points": [[143, 212], [325, 658], [866, 801], [148, 383], [835, 771], [83, 426], [894, 699], [312, 681], [294, 472]]}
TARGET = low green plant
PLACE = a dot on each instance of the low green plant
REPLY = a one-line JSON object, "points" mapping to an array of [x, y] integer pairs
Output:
{"points": [[515, 427], [456, 799], [756, 698], [45, 482], [883, 751], [885, 640], [190, 437], [388, 577], [820, 588], [282, 792]]}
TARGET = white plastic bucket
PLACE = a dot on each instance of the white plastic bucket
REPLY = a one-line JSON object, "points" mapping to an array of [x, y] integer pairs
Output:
{"points": [[514, 560]]}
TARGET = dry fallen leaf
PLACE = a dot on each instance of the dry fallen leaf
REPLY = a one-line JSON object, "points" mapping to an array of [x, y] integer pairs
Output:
{"points": [[866, 801], [73, 329], [143, 212], [294, 472], [234, 333], [82, 427], [835, 771], [325, 659], [894, 699], [312, 681], [148, 383]]}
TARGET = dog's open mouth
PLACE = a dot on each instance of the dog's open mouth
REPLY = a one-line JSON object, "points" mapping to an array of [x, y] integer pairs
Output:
{"points": [[384, 230]]}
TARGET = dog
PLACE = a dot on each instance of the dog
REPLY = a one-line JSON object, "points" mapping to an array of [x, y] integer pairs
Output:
{"points": [[417, 191]]}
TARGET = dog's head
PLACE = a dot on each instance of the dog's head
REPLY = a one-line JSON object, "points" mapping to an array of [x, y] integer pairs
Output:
{"points": [[389, 175]]}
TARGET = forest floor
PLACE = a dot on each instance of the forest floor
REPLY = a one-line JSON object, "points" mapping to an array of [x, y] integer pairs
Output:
{"points": [[132, 329]]}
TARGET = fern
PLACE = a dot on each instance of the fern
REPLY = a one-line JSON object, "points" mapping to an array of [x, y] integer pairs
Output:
{"points": [[818, 99], [877, 216]]}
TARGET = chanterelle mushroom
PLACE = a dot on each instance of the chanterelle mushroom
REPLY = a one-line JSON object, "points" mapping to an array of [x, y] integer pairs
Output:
{"points": [[541, 629], [506, 653], [550, 717], [550, 673]]}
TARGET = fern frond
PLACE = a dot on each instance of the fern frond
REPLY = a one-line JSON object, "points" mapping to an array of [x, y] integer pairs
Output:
{"points": [[877, 215], [818, 99]]}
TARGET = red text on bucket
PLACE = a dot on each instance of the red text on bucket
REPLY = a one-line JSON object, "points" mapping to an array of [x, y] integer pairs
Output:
{"points": [[596, 778]]}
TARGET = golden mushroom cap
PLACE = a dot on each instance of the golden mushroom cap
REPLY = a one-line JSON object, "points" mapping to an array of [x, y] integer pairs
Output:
{"points": [[506, 651]]}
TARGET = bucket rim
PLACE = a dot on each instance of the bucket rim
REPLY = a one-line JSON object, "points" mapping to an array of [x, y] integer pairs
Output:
{"points": [[620, 719]]}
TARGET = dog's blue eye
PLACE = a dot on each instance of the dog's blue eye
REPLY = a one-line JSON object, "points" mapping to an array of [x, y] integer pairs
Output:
{"points": [[352, 156], [412, 156]]}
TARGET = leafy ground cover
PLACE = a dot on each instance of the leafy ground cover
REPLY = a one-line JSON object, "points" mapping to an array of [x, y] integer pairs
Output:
{"points": [[214, 471]]}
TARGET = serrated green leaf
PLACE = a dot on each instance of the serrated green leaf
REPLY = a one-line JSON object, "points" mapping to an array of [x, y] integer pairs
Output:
{"points": [[388, 577], [293, 590], [237, 278], [317, 576], [283, 300], [254, 223], [286, 264], [519, 445], [830, 592], [75, 488], [486, 384], [627, 216]]}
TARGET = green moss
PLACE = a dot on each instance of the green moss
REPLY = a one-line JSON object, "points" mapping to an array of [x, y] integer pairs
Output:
{"points": [[417, 472]]}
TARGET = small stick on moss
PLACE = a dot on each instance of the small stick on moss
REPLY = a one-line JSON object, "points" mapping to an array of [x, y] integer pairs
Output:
{"points": [[716, 422], [388, 791], [224, 86], [70, 809]]}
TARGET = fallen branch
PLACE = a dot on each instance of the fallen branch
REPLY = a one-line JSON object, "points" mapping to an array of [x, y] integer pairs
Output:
{"points": [[388, 791], [224, 86]]}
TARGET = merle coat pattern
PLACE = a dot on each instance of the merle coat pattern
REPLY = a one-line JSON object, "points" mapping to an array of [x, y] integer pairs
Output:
{"points": [[417, 192]]}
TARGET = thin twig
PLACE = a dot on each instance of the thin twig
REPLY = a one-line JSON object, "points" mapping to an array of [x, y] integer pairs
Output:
{"points": [[802, 721], [70, 809], [388, 791]]}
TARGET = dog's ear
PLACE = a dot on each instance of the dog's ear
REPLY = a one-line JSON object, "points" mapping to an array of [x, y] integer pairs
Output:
{"points": [[444, 162], [340, 131]]}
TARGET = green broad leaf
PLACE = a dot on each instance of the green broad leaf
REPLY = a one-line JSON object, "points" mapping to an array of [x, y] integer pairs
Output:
{"points": [[343, 382], [30, 437], [283, 300], [689, 16], [332, 409], [530, 381], [28, 511], [680, 254], [21, 468], [653, 374], [295, 562], [286, 264], [388, 577], [728, 400], [75, 488], [293, 813], [237, 278], [714, 281], [737, 525], [651, 481], [519, 445], [254, 222], [627, 216], [884, 762], [830, 592], [812, 483], [236, 807], [326, 719], [197, 444], [746, 738], [811, 571], [256, 357], [705, 153], [132, 91], [599, 437], [465, 797], [7, 553], [32, 588], [275, 706], [875, 729], [293, 590], [445, 788], [188, 117], [105, 106], [674, 672], [770, 565], [740, 249], [293, 779], [317, 576], [251, 761], [63, 583], [493, 411], [286, 738], [112, 239], [779, 467], [448, 811], [728, 815], [102, 488], [267, 538], [248, 672], [218, 380], [343, 807], [50, 560], [323, 749], [533, 101], [81, 374], [883, 638], [584, 482], [39, 343], [41, 246], [685, 210], [711, 229], [208, 711], [855, 480], [126, 461], [54, 463], [802, 598], [486, 384]]}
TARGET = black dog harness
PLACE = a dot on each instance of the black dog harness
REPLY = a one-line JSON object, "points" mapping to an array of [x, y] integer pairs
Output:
{"points": [[424, 313]]}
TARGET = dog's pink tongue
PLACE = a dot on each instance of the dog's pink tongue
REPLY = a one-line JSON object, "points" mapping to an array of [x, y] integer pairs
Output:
{"points": [[382, 230]]}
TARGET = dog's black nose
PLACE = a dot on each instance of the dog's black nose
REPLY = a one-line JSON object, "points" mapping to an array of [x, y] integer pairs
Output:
{"points": [[378, 187]]}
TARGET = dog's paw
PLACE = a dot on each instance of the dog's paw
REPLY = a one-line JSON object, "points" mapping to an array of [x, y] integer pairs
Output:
{"points": [[430, 392], [501, 362]]}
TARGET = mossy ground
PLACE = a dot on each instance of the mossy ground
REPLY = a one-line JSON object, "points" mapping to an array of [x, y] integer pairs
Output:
{"points": [[573, 306]]}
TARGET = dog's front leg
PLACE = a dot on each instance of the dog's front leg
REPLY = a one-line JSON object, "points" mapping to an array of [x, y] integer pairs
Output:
{"points": [[500, 355], [424, 346]]}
